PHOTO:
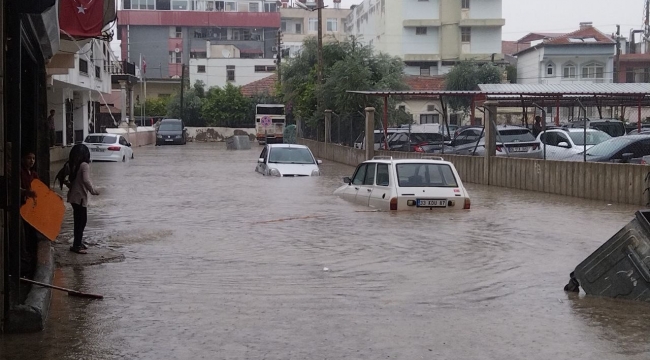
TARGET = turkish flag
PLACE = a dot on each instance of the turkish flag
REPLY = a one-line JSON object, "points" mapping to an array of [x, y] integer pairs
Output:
{"points": [[81, 18]]}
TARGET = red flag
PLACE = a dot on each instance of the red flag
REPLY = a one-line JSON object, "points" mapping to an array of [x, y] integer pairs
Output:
{"points": [[81, 18]]}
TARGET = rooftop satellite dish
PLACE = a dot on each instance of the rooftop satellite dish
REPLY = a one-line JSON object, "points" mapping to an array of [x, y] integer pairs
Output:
{"points": [[225, 53]]}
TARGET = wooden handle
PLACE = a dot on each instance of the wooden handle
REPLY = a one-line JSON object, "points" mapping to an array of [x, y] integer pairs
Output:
{"points": [[69, 291]]}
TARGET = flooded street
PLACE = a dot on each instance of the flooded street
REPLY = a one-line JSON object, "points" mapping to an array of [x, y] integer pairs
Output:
{"points": [[210, 272]]}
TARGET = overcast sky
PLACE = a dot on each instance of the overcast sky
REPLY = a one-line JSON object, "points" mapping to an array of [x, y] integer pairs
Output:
{"points": [[524, 16]]}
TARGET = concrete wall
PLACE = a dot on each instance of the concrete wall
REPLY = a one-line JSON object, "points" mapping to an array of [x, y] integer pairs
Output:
{"points": [[151, 41], [216, 71], [418, 10], [614, 183], [420, 44], [217, 133], [486, 9], [486, 40], [140, 136]]}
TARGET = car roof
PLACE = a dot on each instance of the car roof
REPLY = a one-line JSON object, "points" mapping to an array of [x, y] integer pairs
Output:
{"points": [[390, 160], [574, 130], [103, 134], [170, 120], [287, 146]]}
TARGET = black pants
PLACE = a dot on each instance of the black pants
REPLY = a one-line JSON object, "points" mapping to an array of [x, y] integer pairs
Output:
{"points": [[80, 215]]}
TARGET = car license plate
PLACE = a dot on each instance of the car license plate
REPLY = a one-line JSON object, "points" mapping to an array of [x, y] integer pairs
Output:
{"points": [[169, 139], [97, 150], [519, 149], [432, 203]]}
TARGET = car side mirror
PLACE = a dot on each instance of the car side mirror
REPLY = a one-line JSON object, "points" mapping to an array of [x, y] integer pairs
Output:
{"points": [[260, 160], [627, 157], [564, 144], [319, 162], [347, 180]]}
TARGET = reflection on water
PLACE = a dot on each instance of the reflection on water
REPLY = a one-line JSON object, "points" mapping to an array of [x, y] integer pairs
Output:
{"points": [[224, 263]]}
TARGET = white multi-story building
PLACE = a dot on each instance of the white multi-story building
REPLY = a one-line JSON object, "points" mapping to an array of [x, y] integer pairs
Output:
{"points": [[77, 84], [225, 64], [297, 24], [430, 35]]}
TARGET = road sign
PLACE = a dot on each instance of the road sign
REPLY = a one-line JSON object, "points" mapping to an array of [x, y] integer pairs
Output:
{"points": [[266, 121]]}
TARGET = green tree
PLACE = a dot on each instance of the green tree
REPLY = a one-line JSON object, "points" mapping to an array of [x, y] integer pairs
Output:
{"points": [[347, 65], [154, 107], [192, 103], [227, 107], [466, 76], [511, 70]]}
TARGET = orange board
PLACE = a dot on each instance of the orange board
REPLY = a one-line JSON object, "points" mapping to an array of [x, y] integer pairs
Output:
{"points": [[45, 213]]}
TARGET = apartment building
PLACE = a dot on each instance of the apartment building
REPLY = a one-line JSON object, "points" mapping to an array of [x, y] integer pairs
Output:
{"points": [[298, 24], [430, 35], [169, 33]]}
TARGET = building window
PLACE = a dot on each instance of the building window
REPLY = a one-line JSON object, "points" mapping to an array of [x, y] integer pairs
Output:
{"points": [[83, 66], [425, 71], [231, 6], [429, 118], [98, 72], [298, 28], [230, 72], [420, 30], [283, 26], [175, 57], [313, 24], [592, 71], [550, 69], [253, 7], [332, 25], [465, 34], [402, 108], [431, 108], [200, 69], [198, 55], [272, 7], [178, 32], [569, 71], [264, 68], [179, 4], [465, 4]]}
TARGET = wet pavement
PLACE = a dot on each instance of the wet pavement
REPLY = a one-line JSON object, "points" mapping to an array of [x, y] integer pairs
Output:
{"points": [[210, 270]]}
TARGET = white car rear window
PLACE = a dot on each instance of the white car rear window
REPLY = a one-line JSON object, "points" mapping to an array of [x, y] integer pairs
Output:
{"points": [[425, 175]]}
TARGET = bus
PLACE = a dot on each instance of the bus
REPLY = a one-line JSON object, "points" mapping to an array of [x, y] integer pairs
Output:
{"points": [[270, 121]]}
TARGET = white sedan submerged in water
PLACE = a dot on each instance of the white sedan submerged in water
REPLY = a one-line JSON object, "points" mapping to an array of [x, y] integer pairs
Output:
{"points": [[108, 147], [288, 160], [409, 184]]}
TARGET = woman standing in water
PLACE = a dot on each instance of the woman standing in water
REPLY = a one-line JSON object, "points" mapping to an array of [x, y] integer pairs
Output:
{"points": [[77, 170]]}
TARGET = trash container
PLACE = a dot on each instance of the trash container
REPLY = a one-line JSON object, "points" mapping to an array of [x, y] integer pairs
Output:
{"points": [[620, 268], [238, 142]]}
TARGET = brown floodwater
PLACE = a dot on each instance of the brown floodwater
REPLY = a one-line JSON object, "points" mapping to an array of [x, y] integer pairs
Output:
{"points": [[210, 273]]}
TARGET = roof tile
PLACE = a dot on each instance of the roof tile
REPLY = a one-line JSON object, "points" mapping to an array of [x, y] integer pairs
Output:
{"points": [[262, 86]]}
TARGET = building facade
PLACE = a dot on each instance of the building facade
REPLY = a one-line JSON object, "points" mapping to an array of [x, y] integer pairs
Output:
{"points": [[76, 91], [170, 33], [430, 36], [298, 24]]}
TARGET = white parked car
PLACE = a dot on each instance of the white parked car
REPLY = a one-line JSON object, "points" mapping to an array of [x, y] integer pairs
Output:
{"points": [[406, 184], [563, 143], [287, 160], [108, 147]]}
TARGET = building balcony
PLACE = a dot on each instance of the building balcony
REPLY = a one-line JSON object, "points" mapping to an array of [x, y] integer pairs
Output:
{"points": [[482, 22], [422, 23], [122, 71], [199, 18]]}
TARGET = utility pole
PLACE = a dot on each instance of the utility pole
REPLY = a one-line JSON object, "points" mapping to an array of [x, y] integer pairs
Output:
{"points": [[617, 73], [320, 6], [279, 62], [182, 88]]}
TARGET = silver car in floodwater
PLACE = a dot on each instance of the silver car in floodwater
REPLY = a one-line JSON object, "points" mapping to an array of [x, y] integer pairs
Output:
{"points": [[512, 141], [287, 160]]}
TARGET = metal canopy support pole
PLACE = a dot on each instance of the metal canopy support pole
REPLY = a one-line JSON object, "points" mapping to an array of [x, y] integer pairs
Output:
{"points": [[370, 129], [386, 122], [638, 124], [473, 111], [445, 122], [557, 113], [3, 189], [490, 139], [328, 126]]}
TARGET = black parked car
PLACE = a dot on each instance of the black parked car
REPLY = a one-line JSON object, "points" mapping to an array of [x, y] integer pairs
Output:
{"points": [[171, 131], [622, 149], [612, 127]]}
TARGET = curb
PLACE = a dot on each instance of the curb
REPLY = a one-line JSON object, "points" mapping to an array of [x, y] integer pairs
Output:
{"points": [[31, 316]]}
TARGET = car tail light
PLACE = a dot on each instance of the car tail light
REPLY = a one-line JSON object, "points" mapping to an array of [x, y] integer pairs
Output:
{"points": [[418, 148], [393, 203], [114, 148], [499, 148], [468, 204]]}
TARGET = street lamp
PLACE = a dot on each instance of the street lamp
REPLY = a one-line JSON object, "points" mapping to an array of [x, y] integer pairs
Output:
{"points": [[319, 6]]}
